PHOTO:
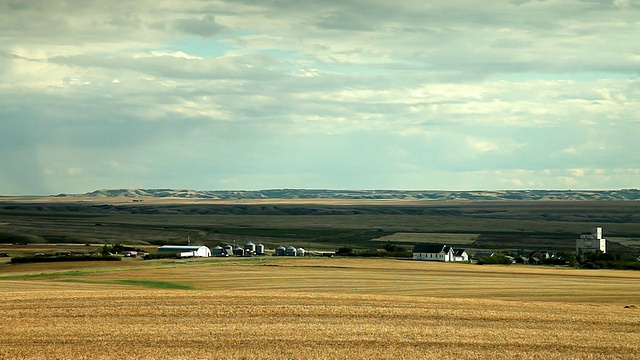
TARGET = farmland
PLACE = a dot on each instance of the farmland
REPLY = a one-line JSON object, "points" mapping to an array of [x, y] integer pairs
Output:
{"points": [[313, 308], [274, 308], [321, 224]]}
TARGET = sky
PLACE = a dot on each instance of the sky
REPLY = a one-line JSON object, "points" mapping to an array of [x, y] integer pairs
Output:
{"points": [[349, 94]]}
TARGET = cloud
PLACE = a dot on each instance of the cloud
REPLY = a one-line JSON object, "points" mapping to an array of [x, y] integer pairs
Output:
{"points": [[205, 26], [252, 94]]}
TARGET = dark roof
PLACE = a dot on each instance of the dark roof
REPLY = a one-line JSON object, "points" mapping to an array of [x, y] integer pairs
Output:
{"points": [[430, 248]]}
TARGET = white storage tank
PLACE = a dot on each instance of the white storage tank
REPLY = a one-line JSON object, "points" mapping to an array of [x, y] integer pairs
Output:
{"points": [[238, 251], [281, 251], [259, 249], [250, 247], [218, 251], [300, 252]]}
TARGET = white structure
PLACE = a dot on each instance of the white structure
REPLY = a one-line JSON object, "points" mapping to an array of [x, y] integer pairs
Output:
{"points": [[185, 251], [438, 252], [591, 242], [460, 255]]}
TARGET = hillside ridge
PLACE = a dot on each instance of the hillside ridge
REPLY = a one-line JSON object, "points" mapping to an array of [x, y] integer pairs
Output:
{"points": [[619, 195]]}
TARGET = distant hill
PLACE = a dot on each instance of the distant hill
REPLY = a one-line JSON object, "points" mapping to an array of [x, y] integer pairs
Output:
{"points": [[624, 194]]}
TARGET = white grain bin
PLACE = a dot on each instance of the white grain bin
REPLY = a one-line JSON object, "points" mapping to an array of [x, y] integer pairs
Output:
{"points": [[281, 251], [250, 247], [229, 249], [238, 251], [300, 252], [259, 249], [290, 251], [218, 251]]}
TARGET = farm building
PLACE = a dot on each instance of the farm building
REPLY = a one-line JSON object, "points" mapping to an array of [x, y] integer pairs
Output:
{"points": [[591, 242], [438, 252], [460, 255], [185, 251]]}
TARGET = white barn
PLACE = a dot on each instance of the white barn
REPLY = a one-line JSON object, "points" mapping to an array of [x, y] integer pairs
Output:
{"points": [[185, 251], [438, 252]]}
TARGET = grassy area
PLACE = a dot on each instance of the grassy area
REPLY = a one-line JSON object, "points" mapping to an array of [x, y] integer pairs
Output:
{"points": [[154, 284], [442, 238], [509, 225]]}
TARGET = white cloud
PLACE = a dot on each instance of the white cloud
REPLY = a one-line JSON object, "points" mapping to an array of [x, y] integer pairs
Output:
{"points": [[544, 92]]}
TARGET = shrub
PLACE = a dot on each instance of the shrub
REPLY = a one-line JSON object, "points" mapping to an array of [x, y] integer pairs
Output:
{"points": [[41, 259], [345, 251], [495, 259], [159, 256]]}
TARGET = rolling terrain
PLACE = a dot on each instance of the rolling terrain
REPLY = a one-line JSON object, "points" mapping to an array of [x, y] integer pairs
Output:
{"points": [[324, 224], [338, 308], [624, 194]]}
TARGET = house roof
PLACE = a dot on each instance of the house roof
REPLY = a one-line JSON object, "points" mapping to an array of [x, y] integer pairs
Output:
{"points": [[430, 248]]}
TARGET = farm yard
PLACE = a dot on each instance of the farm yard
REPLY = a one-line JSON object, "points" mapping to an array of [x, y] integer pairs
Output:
{"points": [[273, 308]]}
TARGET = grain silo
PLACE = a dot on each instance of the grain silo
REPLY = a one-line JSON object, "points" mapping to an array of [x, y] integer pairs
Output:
{"points": [[259, 249], [249, 248], [300, 252], [281, 250], [238, 251], [290, 251], [229, 249], [218, 251]]}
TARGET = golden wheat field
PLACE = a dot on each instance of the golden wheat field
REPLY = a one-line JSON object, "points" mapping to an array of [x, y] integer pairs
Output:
{"points": [[316, 309]]}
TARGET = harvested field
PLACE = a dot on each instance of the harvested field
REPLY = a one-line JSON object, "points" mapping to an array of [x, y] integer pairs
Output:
{"points": [[94, 324], [317, 309]]}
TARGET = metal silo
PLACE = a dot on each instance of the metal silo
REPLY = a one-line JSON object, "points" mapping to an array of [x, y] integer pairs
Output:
{"points": [[259, 249], [250, 247], [217, 251], [229, 249], [291, 251], [300, 252], [280, 250], [238, 251]]}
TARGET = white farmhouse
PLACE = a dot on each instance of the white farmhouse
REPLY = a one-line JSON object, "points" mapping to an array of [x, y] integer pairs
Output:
{"points": [[185, 251], [460, 255], [438, 252], [591, 242]]}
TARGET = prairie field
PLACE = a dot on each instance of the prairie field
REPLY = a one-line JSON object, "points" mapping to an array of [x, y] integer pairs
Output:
{"points": [[274, 308]]}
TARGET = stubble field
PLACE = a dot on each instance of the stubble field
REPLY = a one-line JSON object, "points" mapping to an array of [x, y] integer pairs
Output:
{"points": [[316, 309]]}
